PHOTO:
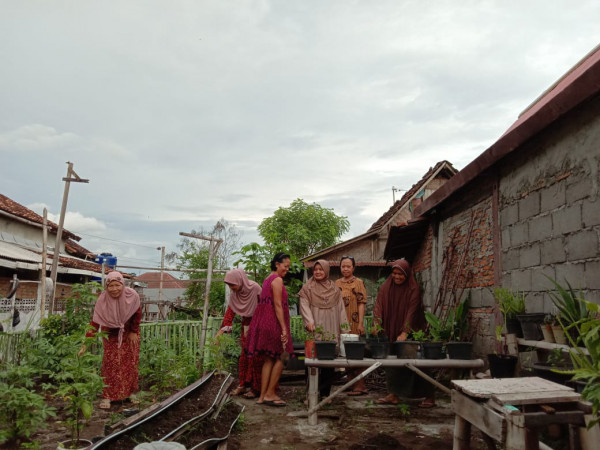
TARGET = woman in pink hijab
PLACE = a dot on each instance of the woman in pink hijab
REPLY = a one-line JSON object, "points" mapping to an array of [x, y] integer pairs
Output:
{"points": [[118, 312], [242, 302]]}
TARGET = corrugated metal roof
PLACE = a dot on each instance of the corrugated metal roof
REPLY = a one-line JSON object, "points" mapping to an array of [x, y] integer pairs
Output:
{"points": [[17, 253]]}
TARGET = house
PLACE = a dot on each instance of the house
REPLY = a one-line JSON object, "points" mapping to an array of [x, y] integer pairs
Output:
{"points": [[21, 238], [157, 299], [368, 248], [526, 209]]}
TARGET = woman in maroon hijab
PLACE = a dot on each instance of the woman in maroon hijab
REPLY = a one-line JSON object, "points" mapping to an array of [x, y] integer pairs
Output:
{"points": [[399, 310], [118, 312]]}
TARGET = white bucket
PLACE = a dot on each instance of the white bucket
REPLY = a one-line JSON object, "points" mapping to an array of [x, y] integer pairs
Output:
{"points": [[346, 337]]}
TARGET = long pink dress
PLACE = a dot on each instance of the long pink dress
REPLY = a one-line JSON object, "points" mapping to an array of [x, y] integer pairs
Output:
{"points": [[264, 334]]}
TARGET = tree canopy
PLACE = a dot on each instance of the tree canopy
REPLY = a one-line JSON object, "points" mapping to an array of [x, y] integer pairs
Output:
{"points": [[303, 228]]}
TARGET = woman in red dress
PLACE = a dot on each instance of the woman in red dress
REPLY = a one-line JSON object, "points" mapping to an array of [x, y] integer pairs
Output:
{"points": [[242, 301], [269, 332], [118, 312]]}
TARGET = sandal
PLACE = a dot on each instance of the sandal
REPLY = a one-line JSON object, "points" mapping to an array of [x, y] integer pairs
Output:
{"points": [[249, 394], [388, 400], [356, 393], [427, 403], [104, 404], [238, 390]]}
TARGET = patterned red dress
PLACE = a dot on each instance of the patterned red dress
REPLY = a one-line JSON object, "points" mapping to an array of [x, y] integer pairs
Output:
{"points": [[120, 364], [264, 335], [249, 368]]}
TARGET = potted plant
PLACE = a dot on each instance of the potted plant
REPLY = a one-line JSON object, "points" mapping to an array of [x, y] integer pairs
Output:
{"points": [[502, 365], [557, 331], [547, 328], [557, 368], [379, 344], [409, 349], [350, 345], [325, 344], [460, 346], [510, 305], [439, 333], [572, 310], [79, 385]]}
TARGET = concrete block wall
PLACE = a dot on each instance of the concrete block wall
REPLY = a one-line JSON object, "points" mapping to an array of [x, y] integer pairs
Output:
{"points": [[550, 211]]}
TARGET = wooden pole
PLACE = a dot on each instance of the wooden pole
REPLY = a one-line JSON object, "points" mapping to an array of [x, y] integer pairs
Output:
{"points": [[162, 269], [61, 222], [428, 378], [43, 271]]}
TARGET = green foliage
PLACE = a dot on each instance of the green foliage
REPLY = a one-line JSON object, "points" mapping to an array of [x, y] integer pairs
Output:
{"points": [[222, 353], [404, 409], [418, 336], [571, 308], [23, 413], [156, 363], [303, 228], [459, 320], [439, 330], [79, 382], [587, 368], [510, 303]]}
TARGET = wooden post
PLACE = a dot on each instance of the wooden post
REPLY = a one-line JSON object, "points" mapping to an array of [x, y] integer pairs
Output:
{"points": [[61, 222], [162, 269], [313, 394], [43, 276], [428, 378], [462, 434]]}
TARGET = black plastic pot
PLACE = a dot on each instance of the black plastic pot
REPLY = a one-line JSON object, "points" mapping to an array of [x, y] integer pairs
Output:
{"points": [[459, 350], [406, 349], [325, 349], [355, 349], [513, 326], [547, 372], [378, 349], [433, 350], [502, 366], [530, 324]]}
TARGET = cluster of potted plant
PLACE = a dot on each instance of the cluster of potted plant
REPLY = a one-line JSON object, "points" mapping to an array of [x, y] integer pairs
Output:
{"points": [[572, 311], [511, 305], [353, 346], [319, 343], [378, 343]]}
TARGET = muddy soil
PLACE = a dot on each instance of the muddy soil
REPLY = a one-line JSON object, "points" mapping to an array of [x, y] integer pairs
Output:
{"points": [[354, 423]]}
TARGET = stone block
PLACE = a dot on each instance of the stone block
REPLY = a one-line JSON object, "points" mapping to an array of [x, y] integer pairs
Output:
{"points": [[529, 256], [539, 282], [521, 280], [553, 197], [590, 213], [553, 251], [592, 296], [529, 206], [519, 233], [510, 259], [591, 275], [487, 297], [506, 278], [581, 187], [540, 228], [582, 245], [567, 220], [509, 215], [574, 273], [534, 302], [505, 238]]}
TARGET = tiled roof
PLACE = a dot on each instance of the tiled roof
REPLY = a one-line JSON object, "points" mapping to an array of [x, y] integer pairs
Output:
{"points": [[310, 264], [75, 249], [16, 209], [152, 279], [444, 167]]}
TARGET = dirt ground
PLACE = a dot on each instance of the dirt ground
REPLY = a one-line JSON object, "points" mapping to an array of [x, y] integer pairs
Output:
{"points": [[354, 423]]}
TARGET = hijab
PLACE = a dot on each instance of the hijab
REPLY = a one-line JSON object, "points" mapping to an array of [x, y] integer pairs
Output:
{"points": [[323, 294], [115, 312], [243, 302], [399, 306]]}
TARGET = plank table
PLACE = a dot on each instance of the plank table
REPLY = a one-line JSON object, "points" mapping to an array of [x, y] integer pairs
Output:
{"points": [[369, 365], [511, 410]]}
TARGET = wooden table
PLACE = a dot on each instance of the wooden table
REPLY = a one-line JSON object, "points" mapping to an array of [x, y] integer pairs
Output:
{"points": [[510, 410], [369, 365]]}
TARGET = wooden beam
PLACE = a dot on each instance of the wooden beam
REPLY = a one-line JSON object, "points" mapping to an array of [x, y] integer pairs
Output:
{"points": [[486, 420]]}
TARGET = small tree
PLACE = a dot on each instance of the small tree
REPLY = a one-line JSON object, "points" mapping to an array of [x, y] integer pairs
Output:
{"points": [[303, 228]]}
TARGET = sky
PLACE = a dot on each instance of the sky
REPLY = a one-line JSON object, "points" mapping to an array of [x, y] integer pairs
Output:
{"points": [[181, 113]]}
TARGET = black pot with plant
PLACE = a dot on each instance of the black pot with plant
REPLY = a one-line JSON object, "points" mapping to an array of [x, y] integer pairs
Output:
{"points": [[502, 365], [378, 344], [325, 344], [438, 334], [572, 311], [510, 305], [460, 346], [557, 368]]}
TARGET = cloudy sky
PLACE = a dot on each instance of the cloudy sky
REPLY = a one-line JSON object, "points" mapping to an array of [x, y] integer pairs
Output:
{"points": [[184, 112]]}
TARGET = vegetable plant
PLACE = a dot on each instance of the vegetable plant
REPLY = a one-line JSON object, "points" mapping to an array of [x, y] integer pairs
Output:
{"points": [[510, 304], [439, 330]]}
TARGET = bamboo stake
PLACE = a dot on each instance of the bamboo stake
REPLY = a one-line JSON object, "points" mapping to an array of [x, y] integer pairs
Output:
{"points": [[428, 378]]}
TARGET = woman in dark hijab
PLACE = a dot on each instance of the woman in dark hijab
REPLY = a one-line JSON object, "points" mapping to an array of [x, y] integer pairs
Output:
{"points": [[399, 310]]}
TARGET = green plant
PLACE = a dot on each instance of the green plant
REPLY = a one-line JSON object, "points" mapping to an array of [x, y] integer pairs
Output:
{"points": [[439, 330], [323, 335], [558, 358], [417, 336], [571, 308], [510, 304], [155, 367], [221, 353], [459, 319], [79, 384], [404, 409], [23, 413], [587, 367], [501, 346]]}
